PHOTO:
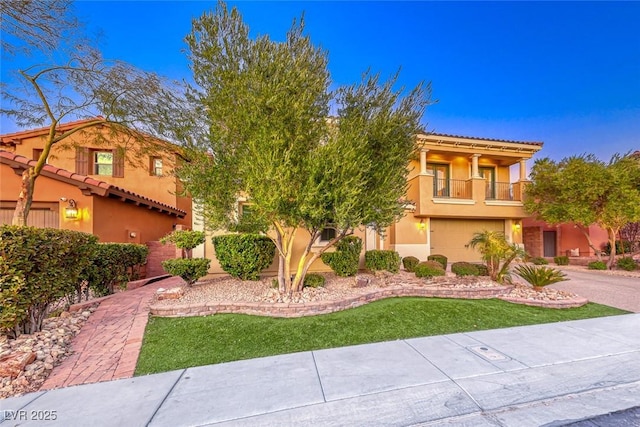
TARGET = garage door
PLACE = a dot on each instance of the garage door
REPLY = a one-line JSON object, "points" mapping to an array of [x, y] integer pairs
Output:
{"points": [[42, 218], [449, 237]]}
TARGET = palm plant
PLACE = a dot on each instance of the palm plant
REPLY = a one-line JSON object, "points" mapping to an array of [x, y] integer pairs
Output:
{"points": [[497, 253], [540, 276]]}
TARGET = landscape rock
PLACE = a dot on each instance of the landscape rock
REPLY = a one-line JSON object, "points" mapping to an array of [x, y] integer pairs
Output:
{"points": [[13, 364]]}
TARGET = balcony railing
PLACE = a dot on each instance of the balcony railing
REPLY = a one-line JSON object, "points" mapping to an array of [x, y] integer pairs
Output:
{"points": [[452, 188], [499, 191]]}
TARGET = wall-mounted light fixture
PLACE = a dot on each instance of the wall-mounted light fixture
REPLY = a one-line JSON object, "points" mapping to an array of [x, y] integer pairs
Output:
{"points": [[71, 211], [517, 226], [422, 226]]}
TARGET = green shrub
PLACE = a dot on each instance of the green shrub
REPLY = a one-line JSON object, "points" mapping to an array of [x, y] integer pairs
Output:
{"points": [[539, 261], [561, 260], [483, 270], [112, 264], [313, 280], [429, 269], [12, 284], [189, 269], [409, 263], [439, 258], [627, 263], [465, 269], [344, 261], [540, 276], [597, 265], [50, 262], [244, 255], [377, 260], [185, 240], [622, 247]]}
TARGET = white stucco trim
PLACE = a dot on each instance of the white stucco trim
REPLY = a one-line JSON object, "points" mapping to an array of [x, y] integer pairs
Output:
{"points": [[503, 203], [454, 201]]}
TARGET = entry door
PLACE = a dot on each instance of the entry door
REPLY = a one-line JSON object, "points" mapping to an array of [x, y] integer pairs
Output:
{"points": [[549, 243], [489, 174]]}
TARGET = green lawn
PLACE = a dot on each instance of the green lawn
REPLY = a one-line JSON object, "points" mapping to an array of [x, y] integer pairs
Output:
{"points": [[175, 343]]}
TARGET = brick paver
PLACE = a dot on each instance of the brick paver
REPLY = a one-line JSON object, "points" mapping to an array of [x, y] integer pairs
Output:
{"points": [[109, 343]]}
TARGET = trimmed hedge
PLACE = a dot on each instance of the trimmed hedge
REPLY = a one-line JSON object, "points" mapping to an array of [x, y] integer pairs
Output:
{"points": [[627, 263], [344, 261], [244, 255], [482, 269], [597, 265], [49, 263], [189, 269], [185, 240], [429, 269], [378, 260], [539, 261], [409, 263], [439, 258], [313, 280], [561, 260], [463, 268], [112, 264]]}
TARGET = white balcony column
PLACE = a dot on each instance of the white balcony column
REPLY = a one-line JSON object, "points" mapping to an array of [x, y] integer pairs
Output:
{"points": [[475, 171], [523, 169], [423, 161]]}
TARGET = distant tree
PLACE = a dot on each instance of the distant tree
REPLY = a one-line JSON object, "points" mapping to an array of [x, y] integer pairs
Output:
{"points": [[75, 82], [271, 139], [585, 191]]}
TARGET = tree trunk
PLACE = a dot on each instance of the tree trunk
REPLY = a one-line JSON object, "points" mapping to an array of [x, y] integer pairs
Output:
{"points": [[590, 242], [25, 198], [612, 242]]}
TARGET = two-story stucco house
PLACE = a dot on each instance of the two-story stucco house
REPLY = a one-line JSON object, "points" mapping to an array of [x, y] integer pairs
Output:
{"points": [[98, 182]]}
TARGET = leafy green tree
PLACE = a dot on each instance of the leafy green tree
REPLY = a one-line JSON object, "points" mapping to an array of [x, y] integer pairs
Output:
{"points": [[497, 253], [266, 108], [585, 191]]}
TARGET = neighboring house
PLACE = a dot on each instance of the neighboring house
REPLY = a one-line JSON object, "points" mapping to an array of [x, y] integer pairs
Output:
{"points": [[457, 186], [120, 194], [544, 240]]}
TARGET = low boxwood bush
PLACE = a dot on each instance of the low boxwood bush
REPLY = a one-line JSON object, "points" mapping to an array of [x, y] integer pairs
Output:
{"points": [[439, 258], [597, 265], [189, 269], [409, 263], [465, 269], [112, 264], [185, 240], [483, 270], [49, 263], [429, 269], [539, 261], [627, 263], [344, 261], [313, 280], [540, 276], [379, 260], [561, 260], [244, 255]]}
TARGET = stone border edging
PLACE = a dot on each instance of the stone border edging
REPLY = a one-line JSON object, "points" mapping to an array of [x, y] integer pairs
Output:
{"points": [[290, 310]]}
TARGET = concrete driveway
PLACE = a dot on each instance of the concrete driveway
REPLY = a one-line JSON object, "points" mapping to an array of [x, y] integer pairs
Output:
{"points": [[603, 288]]}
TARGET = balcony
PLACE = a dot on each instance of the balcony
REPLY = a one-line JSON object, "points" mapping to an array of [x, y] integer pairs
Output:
{"points": [[471, 198]]}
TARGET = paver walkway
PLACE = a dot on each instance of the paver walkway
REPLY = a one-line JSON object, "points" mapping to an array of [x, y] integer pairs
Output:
{"points": [[108, 345]]}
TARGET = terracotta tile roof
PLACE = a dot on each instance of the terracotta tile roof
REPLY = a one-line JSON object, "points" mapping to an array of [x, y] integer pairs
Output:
{"points": [[88, 184], [539, 144], [15, 137]]}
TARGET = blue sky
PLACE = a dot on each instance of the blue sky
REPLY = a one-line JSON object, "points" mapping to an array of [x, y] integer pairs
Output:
{"points": [[566, 74]]}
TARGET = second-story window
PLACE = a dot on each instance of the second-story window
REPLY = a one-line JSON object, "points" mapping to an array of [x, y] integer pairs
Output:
{"points": [[440, 179], [156, 166], [103, 163]]}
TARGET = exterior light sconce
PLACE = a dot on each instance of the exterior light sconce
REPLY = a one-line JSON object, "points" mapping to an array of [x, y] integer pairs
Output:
{"points": [[422, 226], [517, 227], [71, 211]]}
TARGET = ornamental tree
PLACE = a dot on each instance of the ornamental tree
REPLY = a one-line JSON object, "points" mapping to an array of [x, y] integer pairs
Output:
{"points": [[265, 105], [585, 191]]}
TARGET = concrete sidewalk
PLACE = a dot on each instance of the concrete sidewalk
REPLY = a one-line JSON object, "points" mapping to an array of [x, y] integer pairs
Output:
{"points": [[553, 375]]}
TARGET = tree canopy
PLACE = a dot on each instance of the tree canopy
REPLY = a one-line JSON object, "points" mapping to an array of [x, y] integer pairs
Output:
{"points": [[585, 190], [271, 138]]}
